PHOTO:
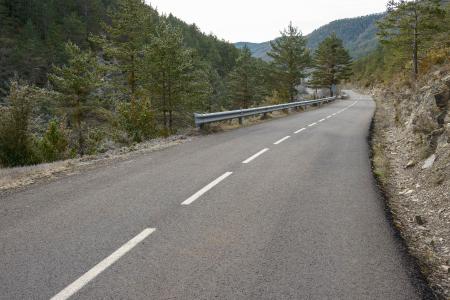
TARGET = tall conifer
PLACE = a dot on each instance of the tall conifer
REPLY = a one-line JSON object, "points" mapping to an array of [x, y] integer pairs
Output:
{"points": [[290, 59]]}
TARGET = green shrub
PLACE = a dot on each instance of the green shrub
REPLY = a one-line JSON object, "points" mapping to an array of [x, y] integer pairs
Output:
{"points": [[95, 137], [17, 144], [54, 144], [137, 119]]}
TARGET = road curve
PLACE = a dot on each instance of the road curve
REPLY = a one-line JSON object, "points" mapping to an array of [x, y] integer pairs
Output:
{"points": [[285, 209]]}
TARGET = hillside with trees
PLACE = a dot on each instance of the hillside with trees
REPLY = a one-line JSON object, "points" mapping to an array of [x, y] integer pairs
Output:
{"points": [[78, 77], [413, 38], [33, 34], [359, 36]]}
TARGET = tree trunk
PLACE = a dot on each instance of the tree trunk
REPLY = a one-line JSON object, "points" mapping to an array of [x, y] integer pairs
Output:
{"points": [[415, 46], [169, 101], [80, 131], [331, 91], [164, 104], [132, 80]]}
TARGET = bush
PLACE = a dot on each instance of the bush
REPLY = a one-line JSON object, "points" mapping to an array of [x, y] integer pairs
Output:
{"points": [[54, 144], [137, 119], [95, 138], [17, 144]]}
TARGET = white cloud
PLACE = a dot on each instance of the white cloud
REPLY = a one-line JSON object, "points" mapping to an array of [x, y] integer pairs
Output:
{"points": [[257, 21]]}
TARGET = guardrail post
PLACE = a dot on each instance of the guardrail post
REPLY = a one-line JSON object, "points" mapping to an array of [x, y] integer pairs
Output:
{"points": [[240, 120]]}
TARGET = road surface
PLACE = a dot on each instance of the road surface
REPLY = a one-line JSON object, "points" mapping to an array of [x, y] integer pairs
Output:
{"points": [[286, 209]]}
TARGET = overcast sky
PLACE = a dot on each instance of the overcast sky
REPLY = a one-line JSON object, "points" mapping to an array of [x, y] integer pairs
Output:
{"points": [[259, 21]]}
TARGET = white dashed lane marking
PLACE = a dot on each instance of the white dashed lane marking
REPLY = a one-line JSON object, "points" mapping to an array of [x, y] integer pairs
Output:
{"points": [[78, 284], [255, 156], [282, 140], [205, 189], [300, 130]]}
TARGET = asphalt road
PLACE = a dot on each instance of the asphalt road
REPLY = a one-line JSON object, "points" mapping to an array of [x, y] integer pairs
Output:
{"points": [[300, 219]]}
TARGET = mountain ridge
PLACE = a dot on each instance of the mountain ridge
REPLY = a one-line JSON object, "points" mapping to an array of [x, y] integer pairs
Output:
{"points": [[358, 35]]}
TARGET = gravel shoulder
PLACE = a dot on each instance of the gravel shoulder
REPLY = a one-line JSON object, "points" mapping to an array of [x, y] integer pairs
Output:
{"points": [[19, 177]]}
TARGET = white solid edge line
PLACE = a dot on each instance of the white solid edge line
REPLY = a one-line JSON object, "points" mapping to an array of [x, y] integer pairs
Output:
{"points": [[312, 124], [205, 189], [282, 140], [78, 284], [300, 130], [255, 156]]}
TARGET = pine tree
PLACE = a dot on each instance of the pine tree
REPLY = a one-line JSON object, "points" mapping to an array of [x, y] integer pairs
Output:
{"points": [[332, 64], [77, 82], [290, 58], [53, 145], [245, 82], [408, 26], [175, 82], [127, 34]]}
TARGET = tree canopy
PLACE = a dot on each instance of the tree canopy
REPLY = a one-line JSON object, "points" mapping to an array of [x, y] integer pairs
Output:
{"points": [[408, 26], [290, 60], [332, 64]]}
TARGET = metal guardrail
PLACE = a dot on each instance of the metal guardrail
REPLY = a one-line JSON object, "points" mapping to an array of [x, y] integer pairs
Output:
{"points": [[201, 119]]}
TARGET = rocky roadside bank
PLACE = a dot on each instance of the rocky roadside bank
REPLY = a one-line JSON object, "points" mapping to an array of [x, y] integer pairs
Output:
{"points": [[411, 158]]}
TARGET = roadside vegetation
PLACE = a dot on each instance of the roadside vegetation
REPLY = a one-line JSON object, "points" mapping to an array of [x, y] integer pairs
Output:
{"points": [[414, 38], [84, 77]]}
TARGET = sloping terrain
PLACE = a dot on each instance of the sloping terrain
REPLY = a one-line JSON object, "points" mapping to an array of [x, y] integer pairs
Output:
{"points": [[412, 160], [358, 35]]}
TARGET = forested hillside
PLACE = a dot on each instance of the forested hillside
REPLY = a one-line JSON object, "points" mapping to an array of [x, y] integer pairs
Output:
{"points": [[81, 76], [259, 50], [358, 35], [33, 33]]}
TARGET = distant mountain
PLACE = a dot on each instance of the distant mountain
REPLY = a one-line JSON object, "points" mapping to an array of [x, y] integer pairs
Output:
{"points": [[258, 50], [358, 34]]}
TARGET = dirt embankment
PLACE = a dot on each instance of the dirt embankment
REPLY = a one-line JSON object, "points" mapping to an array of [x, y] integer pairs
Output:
{"points": [[411, 147]]}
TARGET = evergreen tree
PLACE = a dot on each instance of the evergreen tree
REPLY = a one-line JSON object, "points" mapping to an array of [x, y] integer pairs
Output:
{"points": [[408, 26], [77, 82], [29, 56], [127, 34], [137, 119], [175, 82], [290, 58], [245, 82], [332, 64], [53, 145]]}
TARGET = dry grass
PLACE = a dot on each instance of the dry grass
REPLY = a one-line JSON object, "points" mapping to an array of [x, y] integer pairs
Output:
{"points": [[11, 178]]}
